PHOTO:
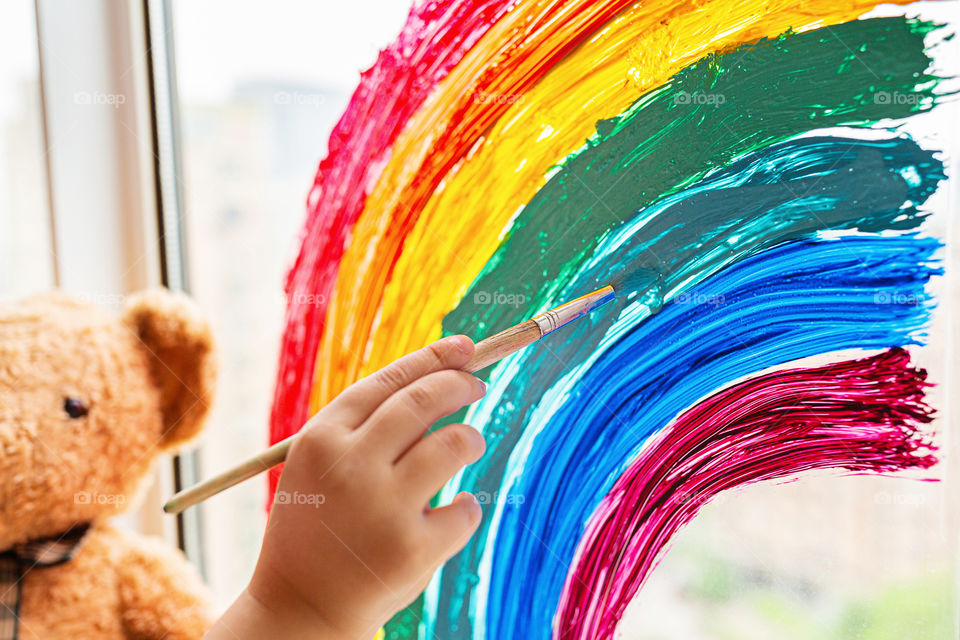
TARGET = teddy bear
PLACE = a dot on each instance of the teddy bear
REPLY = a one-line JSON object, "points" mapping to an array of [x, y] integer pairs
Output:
{"points": [[88, 399]]}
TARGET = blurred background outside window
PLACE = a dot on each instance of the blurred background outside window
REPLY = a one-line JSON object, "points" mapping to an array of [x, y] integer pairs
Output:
{"points": [[26, 258]]}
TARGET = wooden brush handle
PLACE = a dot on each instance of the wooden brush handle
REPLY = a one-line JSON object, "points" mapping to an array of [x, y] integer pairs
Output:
{"points": [[500, 345], [489, 350], [243, 471]]}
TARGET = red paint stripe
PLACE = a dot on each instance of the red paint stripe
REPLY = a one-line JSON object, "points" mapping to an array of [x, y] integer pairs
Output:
{"points": [[435, 38]]}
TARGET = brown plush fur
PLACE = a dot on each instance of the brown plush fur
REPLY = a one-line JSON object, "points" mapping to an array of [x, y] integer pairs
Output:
{"points": [[146, 379]]}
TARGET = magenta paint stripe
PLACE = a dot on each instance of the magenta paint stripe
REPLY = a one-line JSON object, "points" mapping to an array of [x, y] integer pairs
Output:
{"points": [[860, 415]]}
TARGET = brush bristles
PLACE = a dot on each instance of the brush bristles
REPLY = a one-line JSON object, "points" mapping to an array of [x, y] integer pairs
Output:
{"points": [[634, 281]]}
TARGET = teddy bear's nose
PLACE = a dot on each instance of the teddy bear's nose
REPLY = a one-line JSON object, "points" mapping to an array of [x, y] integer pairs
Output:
{"points": [[74, 408]]}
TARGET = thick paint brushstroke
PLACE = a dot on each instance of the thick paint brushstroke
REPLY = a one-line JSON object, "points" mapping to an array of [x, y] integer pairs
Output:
{"points": [[791, 302], [771, 91], [784, 192], [635, 52], [860, 415], [434, 39], [505, 63]]}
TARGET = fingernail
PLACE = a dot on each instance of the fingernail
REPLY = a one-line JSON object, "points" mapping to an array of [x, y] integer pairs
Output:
{"points": [[463, 343], [482, 385]]}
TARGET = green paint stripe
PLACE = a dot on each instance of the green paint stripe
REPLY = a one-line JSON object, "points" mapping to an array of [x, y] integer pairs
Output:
{"points": [[715, 110]]}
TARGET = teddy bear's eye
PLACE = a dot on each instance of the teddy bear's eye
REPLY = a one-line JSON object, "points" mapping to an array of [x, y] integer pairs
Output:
{"points": [[74, 408]]}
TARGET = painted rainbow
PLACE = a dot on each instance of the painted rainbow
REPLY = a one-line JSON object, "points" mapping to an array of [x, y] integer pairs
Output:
{"points": [[737, 157]]}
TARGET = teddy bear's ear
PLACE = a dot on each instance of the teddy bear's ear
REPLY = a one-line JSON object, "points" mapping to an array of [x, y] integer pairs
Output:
{"points": [[179, 345]]}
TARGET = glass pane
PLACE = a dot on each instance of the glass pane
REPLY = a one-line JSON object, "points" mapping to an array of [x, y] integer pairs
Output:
{"points": [[831, 555], [261, 85], [733, 156], [26, 258]]}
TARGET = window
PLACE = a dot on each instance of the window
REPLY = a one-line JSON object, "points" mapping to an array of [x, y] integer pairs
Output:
{"points": [[260, 87], [234, 101]]}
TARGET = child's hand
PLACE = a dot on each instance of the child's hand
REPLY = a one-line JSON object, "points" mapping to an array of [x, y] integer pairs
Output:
{"points": [[351, 538]]}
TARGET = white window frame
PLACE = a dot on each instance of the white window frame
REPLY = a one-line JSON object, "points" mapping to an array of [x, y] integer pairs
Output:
{"points": [[109, 129]]}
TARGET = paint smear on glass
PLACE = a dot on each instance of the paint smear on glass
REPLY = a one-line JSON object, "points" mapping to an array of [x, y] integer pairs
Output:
{"points": [[459, 169], [509, 59], [860, 415], [458, 232], [763, 199], [667, 139], [794, 301]]}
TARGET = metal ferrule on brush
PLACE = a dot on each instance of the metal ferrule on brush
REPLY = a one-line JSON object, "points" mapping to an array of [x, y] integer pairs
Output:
{"points": [[555, 318]]}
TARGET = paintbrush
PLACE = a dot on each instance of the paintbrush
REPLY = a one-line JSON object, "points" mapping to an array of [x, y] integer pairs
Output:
{"points": [[488, 351]]}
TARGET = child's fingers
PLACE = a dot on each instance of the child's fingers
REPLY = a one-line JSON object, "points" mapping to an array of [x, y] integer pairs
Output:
{"points": [[406, 415], [451, 526], [360, 400], [429, 463]]}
